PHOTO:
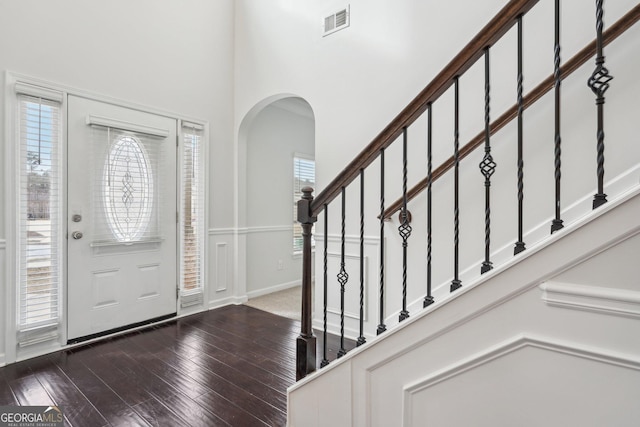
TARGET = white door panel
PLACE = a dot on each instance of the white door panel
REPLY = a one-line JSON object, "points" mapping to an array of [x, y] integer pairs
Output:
{"points": [[122, 199]]}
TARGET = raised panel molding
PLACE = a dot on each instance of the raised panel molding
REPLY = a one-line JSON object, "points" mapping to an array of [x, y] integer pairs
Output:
{"points": [[516, 343], [222, 254], [354, 281], [503, 349], [612, 301]]}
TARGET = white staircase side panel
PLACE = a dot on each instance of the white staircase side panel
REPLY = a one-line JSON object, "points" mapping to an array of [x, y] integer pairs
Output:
{"points": [[538, 341]]}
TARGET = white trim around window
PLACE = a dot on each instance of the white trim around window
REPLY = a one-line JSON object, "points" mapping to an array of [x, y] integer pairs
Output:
{"points": [[304, 174]]}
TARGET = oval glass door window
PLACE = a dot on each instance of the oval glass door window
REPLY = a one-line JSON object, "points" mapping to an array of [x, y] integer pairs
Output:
{"points": [[128, 189]]}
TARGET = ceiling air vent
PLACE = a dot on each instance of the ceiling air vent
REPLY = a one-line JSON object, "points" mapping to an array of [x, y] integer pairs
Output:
{"points": [[336, 21]]}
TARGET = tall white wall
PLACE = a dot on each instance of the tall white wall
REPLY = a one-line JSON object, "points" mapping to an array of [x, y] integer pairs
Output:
{"points": [[275, 135], [171, 56], [358, 79]]}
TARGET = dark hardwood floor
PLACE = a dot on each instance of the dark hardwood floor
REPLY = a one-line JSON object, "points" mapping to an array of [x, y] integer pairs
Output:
{"points": [[229, 366]]}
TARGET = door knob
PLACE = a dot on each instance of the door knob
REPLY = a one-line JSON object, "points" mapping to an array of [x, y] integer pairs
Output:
{"points": [[77, 235]]}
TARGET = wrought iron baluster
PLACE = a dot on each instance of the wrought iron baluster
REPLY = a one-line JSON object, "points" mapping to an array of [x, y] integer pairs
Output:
{"points": [[456, 283], [404, 228], [343, 277], [361, 338], [520, 246], [428, 299], [381, 326], [487, 167], [599, 83], [557, 223], [325, 361]]}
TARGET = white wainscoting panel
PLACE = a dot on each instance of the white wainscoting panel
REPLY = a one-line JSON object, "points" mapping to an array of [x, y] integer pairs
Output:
{"points": [[221, 263], [352, 288], [224, 281], [545, 385]]}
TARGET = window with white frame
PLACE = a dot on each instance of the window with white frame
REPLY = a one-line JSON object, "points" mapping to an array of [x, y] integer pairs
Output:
{"points": [[39, 237], [304, 175]]}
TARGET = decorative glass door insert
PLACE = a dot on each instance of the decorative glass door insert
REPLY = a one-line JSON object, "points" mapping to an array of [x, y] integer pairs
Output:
{"points": [[127, 188]]}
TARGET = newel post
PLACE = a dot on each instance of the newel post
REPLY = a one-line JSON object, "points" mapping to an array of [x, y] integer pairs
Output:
{"points": [[306, 342]]}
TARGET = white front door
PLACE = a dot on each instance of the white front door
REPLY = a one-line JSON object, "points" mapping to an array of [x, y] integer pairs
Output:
{"points": [[121, 217]]}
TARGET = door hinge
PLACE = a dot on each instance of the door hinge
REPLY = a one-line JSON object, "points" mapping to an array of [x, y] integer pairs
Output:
{"points": [[177, 291], [177, 217]]}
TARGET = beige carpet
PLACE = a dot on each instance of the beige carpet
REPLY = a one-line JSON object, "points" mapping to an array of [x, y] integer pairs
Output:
{"points": [[283, 303]]}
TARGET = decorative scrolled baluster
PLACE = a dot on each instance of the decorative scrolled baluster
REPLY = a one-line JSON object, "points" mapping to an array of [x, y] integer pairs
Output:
{"points": [[405, 228], [361, 338], [520, 246], [456, 283], [343, 277], [428, 299], [381, 326], [487, 167], [557, 222], [325, 361], [599, 83]]}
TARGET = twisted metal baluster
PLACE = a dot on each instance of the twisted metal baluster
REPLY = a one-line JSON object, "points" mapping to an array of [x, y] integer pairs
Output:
{"points": [[520, 246], [487, 167], [361, 338], [325, 361], [456, 283], [404, 228], [599, 83], [557, 223], [428, 299], [381, 326], [343, 277]]}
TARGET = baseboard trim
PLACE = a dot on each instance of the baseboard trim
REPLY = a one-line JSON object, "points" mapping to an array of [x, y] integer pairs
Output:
{"points": [[3, 360], [272, 289], [227, 301]]}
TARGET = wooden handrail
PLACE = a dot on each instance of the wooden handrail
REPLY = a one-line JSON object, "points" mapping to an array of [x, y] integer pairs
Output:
{"points": [[617, 29], [491, 33]]}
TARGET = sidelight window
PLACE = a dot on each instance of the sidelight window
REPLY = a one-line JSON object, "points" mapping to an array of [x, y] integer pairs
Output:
{"points": [[192, 214], [39, 230]]}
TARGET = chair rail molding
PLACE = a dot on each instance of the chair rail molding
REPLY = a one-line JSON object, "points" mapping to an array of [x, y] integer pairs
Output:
{"points": [[612, 301]]}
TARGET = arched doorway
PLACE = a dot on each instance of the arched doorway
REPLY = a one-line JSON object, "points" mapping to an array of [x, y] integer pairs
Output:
{"points": [[276, 142]]}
